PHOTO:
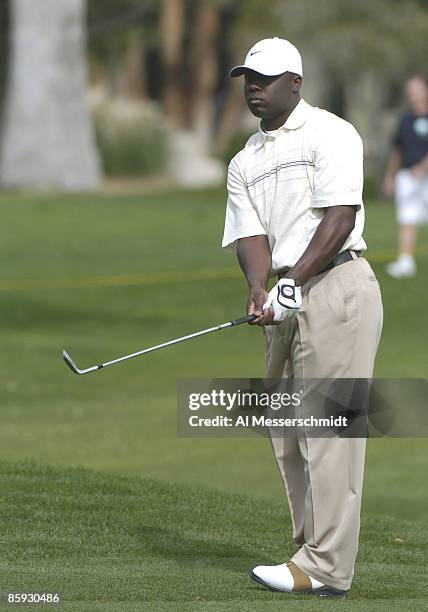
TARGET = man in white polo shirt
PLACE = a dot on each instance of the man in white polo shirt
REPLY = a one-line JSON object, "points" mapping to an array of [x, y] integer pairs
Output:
{"points": [[295, 211]]}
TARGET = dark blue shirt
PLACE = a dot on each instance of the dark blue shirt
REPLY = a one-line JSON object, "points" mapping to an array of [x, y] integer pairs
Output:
{"points": [[411, 138]]}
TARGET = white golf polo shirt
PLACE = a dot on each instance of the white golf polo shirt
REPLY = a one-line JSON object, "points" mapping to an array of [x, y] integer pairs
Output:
{"points": [[280, 182]]}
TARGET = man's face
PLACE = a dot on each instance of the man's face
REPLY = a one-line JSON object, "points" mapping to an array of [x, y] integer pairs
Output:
{"points": [[416, 93], [268, 97]]}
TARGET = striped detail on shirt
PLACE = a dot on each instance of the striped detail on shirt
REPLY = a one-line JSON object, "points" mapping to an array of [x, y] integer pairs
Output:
{"points": [[278, 168]]}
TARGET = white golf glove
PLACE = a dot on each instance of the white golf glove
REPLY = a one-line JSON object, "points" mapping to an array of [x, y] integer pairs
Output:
{"points": [[285, 296]]}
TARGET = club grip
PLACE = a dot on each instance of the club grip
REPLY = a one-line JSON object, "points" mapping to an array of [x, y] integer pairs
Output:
{"points": [[246, 319]]}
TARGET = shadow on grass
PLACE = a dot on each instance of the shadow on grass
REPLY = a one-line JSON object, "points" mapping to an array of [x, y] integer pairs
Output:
{"points": [[170, 544]]}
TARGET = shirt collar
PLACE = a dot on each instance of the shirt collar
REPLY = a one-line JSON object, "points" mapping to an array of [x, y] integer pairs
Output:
{"points": [[297, 118]]}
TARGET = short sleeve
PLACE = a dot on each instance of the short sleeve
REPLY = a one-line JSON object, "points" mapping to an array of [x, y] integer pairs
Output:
{"points": [[242, 219], [338, 173]]}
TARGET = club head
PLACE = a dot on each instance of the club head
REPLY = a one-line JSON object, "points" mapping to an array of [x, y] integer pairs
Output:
{"points": [[73, 367], [68, 360]]}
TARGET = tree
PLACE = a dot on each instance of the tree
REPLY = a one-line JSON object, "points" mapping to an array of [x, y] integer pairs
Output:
{"points": [[171, 35], [47, 138]]}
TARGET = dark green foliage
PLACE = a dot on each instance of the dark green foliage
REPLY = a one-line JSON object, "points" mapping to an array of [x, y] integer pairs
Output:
{"points": [[136, 149]]}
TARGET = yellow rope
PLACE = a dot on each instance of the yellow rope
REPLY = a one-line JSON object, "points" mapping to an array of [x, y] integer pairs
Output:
{"points": [[154, 278]]}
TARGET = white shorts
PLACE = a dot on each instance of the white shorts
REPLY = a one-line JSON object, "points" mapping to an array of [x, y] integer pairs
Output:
{"points": [[411, 198]]}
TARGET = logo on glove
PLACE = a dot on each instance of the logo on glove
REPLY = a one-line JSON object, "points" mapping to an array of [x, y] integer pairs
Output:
{"points": [[287, 292], [283, 298]]}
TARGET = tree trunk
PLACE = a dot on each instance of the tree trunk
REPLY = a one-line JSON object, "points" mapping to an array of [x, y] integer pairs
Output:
{"points": [[229, 124], [47, 139], [204, 71], [171, 30], [135, 67], [187, 103], [365, 110]]}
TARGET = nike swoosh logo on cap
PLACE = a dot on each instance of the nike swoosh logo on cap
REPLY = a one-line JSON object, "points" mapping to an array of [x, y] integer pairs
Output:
{"points": [[254, 52]]}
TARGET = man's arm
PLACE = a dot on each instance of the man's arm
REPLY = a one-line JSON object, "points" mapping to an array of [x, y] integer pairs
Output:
{"points": [[392, 168], [330, 235], [255, 259]]}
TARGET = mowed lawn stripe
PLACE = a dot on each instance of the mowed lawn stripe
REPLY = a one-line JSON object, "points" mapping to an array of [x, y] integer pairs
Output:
{"points": [[101, 539], [158, 278]]}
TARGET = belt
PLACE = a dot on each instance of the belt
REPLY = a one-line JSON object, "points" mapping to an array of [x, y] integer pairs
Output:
{"points": [[340, 258]]}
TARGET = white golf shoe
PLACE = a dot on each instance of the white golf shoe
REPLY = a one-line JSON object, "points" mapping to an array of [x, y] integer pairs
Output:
{"points": [[403, 267], [288, 578]]}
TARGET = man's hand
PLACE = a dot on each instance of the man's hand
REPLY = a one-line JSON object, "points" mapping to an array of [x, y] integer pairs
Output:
{"points": [[285, 296], [272, 308], [394, 164], [256, 299], [389, 186]]}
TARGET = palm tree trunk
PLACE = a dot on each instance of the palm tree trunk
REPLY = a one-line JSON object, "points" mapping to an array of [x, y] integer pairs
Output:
{"points": [[234, 108], [171, 30], [47, 138], [204, 71], [134, 66]]}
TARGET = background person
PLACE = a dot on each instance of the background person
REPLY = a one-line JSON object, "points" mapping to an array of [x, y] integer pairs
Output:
{"points": [[406, 176]]}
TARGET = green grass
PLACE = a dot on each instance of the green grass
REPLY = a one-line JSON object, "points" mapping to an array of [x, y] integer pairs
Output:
{"points": [[123, 419], [119, 543]]}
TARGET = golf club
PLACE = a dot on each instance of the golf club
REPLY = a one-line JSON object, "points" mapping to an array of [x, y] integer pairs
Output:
{"points": [[73, 367]]}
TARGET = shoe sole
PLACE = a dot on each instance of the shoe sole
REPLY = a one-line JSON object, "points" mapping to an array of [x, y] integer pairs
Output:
{"points": [[321, 592], [401, 276]]}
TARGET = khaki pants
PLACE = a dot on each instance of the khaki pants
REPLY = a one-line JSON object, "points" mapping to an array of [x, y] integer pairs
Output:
{"points": [[335, 334]]}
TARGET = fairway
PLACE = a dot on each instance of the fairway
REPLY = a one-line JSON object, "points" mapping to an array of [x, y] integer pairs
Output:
{"points": [[103, 276], [116, 543]]}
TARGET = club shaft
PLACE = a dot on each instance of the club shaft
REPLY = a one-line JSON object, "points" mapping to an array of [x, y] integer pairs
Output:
{"points": [[231, 323], [169, 343]]}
